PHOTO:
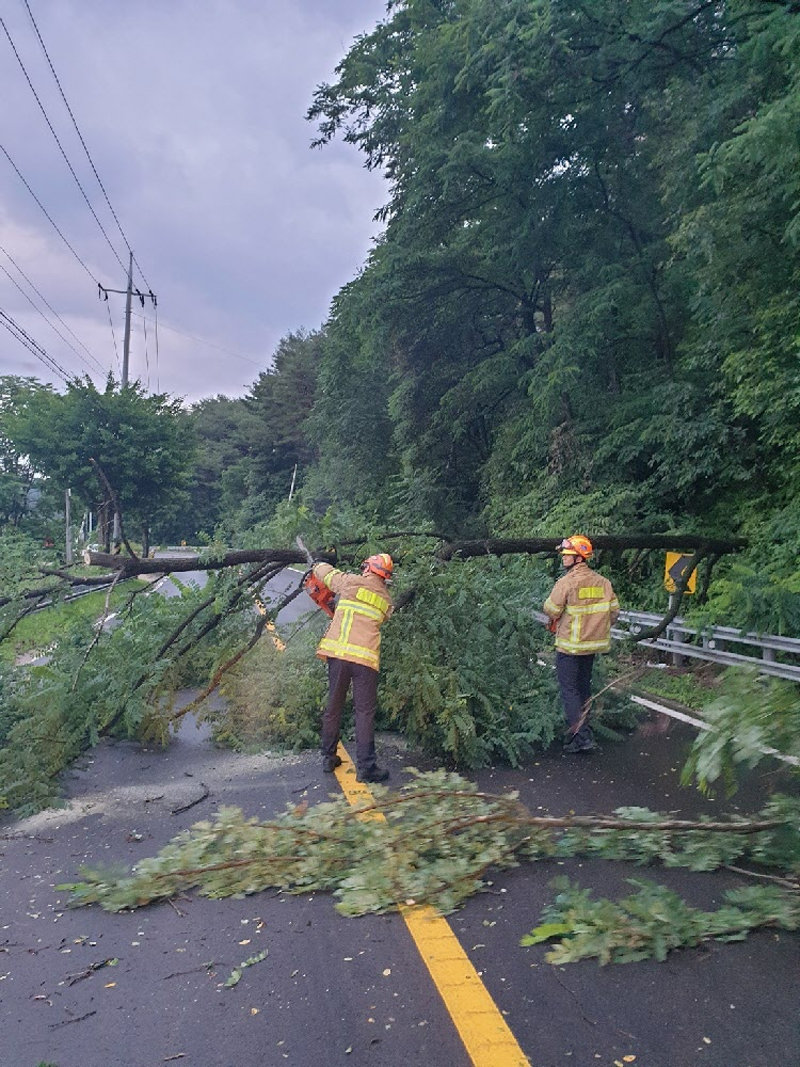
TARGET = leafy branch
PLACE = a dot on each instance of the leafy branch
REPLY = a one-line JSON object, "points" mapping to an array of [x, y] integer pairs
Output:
{"points": [[653, 921], [435, 842]]}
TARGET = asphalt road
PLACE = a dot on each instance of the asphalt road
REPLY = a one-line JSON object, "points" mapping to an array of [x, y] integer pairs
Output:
{"points": [[355, 992]]}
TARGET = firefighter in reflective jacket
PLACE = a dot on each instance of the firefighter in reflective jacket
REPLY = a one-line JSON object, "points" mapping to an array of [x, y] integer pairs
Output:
{"points": [[582, 607], [351, 646]]}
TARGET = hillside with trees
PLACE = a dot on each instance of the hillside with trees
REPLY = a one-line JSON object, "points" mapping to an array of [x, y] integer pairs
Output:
{"points": [[582, 313], [583, 309]]}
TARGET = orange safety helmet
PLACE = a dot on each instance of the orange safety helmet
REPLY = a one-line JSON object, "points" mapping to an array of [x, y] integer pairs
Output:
{"points": [[577, 545], [380, 564]]}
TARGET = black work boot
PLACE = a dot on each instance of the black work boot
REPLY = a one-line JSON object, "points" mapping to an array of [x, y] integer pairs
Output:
{"points": [[330, 763], [579, 744], [374, 774]]}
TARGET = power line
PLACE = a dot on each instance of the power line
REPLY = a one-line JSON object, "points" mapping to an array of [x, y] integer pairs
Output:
{"points": [[46, 214], [113, 335], [210, 344], [28, 342], [51, 309], [83, 142], [58, 142], [55, 226], [158, 370]]}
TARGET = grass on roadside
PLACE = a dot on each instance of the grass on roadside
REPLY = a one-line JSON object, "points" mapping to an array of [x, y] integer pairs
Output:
{"points": [[37, 632], [691, 688]]}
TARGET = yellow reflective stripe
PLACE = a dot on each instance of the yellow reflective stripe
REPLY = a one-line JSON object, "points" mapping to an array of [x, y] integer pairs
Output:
{"points": [[576, 645], [590, 592], [551, 607], [346, 616], [353, 607], [375, 599], [590, 609], [342, 648]]}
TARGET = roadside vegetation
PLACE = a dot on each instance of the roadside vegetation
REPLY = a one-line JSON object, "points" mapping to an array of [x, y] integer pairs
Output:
{"points": [[36, 633], [582, 314]]}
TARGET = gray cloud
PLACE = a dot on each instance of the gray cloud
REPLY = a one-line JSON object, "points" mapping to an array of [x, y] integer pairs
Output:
{"points": [[193, 112]]}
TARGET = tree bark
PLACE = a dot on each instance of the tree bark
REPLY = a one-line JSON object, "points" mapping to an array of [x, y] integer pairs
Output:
{"points": [[448, 551], [132, 565], [536, 545]]}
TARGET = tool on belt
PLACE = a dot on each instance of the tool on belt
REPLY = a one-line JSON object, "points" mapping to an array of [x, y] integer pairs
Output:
{"points": [[322, 596]]}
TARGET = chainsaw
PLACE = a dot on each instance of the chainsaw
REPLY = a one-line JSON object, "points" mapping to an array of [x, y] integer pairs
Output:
{"points": [[322, 596]]}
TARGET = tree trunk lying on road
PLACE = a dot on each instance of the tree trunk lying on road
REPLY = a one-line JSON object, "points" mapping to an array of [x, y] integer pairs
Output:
{"points": [[448, 551]]}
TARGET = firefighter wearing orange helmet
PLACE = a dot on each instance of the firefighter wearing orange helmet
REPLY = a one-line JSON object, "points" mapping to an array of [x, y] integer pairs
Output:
{"points": [[582, 607], [351, 646]]}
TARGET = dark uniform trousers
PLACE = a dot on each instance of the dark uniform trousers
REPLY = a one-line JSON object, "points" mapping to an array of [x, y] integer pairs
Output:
{"points": [[365, 700], [574, 675]]}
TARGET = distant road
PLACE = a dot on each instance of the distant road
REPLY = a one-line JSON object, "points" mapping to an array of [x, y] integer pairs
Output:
{"points": [[284, 583]]}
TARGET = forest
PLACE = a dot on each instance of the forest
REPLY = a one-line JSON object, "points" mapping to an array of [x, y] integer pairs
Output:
{"points": [[582, 314]]}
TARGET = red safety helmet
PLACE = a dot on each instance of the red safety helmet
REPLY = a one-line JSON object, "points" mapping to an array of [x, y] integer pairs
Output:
{"points": [[577, 545], [380, 564]]}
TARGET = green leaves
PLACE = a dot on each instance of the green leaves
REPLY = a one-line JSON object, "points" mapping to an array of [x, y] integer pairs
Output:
{"points": [[751, 715], [435, 842], [236, 974], [142, 443], [653, 921], [459, 670], [50, 713]]}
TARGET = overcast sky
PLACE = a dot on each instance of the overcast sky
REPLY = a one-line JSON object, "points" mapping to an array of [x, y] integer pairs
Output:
{"points": [[193, 112]]}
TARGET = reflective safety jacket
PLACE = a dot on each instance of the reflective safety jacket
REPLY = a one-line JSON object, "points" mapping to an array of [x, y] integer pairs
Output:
{"points": [[584, 606], [363, 605]]}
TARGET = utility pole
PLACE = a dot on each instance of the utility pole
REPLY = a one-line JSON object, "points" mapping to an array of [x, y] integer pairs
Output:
{"points": [[126, 347], [68, 523], [128, 292]]}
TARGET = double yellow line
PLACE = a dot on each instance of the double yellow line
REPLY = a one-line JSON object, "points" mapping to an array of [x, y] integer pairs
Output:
{"points": [[483, 1030]]}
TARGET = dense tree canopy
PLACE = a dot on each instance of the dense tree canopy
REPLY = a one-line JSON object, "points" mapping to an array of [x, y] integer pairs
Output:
{"points": [[583, 310], [17, 473], [119, 448], [582, 313]]}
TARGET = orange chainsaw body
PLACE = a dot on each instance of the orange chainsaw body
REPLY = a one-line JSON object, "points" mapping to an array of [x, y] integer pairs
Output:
{"points": [[322, 596]]}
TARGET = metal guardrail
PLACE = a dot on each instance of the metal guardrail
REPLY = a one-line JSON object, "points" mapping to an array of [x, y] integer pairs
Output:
{"points": [[714, 645], [674, 640]]}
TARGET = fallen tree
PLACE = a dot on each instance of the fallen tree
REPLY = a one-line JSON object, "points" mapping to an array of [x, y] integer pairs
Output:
{"points": [[273, 560], [447, 550], [437, 685]]}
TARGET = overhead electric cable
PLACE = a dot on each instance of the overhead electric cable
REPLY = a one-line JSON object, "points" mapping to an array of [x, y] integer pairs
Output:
{"points": [[52, 310], [58, 142], [28, 342], [158, 372], [210, 344], [113, 338], [47, 216], [60, 336], [146, 353], [83, 142]]}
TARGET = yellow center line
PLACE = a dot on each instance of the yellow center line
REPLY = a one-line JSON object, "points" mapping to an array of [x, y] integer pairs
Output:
{"points": [[480, 1025]]}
